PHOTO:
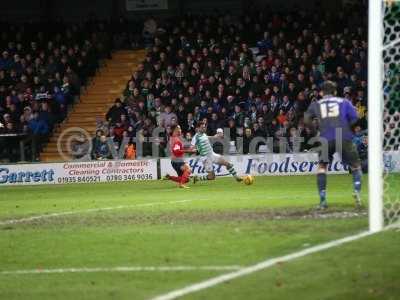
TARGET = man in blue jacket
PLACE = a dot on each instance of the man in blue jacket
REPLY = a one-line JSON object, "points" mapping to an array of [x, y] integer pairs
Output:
{"points": [[39, 130]]}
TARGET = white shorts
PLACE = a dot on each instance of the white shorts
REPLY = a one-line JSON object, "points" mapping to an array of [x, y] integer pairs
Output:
{"points": [[209, 160]]}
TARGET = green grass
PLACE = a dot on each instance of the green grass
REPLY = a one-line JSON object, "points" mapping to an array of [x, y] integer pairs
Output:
{"points": [[267, 192], [221, 223], [362, 270]]}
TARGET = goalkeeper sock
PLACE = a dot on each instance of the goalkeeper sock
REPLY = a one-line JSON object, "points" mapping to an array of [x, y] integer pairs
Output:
{"points": [[357, 180], [321, 182]]}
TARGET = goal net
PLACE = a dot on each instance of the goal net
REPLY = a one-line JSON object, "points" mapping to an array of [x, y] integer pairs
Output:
{"points": [[391, 110]]}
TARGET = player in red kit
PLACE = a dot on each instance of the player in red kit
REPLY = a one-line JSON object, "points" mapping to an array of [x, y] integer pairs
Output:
{"points": [[178, 163]]}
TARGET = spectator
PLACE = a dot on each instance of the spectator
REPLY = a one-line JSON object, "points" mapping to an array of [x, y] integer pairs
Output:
{"points": [[96, 142], [167, 116], [39, 130], [358, 136], [248, 137], [130, 150], [118, 131], [362, 149], [102, 150], [149, 28], [281, 118], [218, 143], [114, 113]]}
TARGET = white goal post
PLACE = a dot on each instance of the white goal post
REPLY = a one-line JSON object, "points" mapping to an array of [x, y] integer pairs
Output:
{"points": [[375, 114]]}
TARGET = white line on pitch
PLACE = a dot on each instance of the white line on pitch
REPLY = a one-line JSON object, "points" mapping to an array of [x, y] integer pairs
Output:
{"points": [[257, 267], [89, 210], [122, 269], [73, 212]]}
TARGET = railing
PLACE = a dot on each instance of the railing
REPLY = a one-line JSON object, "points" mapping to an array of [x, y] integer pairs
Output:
{"points": [[9, 140]]}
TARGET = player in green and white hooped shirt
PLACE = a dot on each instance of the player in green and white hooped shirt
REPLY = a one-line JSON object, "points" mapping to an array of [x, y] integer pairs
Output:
{"points": [[202, 143]]}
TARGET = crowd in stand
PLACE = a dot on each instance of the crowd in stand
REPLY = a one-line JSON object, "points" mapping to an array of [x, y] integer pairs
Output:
{"points": [[42, 69], [254, 75]]}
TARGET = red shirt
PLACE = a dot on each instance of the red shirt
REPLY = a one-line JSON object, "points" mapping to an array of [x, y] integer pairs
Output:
{"points": [[176, 149]]}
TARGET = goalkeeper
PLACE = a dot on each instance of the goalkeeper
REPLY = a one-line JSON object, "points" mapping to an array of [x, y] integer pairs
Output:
{"points": [[335, 115]]}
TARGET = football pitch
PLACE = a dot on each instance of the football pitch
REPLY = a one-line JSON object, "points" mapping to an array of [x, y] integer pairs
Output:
{"points": [[140, 240]]}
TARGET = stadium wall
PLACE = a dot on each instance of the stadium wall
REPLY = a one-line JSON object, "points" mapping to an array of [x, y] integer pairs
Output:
{"points": [[152, 169]]}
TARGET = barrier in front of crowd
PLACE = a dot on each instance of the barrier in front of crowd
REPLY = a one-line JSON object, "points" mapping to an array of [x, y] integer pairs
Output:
{"points": [[148, 169], [78, 172], [267, 164]]}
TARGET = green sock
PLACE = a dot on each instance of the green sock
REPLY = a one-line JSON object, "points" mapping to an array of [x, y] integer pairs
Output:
{"points": [[232, 171]]}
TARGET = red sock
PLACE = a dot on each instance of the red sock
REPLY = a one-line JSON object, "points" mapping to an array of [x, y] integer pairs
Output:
{"points": [[175, 178], [185, 177]]}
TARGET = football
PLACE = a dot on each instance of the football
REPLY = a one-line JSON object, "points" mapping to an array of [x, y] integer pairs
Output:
{"points": [[248, 180]]}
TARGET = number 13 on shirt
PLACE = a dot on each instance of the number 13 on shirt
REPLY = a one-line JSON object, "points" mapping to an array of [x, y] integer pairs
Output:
{"points": [[329, 110]]}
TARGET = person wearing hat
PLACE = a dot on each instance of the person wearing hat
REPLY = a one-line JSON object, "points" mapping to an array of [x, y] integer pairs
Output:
{"points": [[114, 113]]}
